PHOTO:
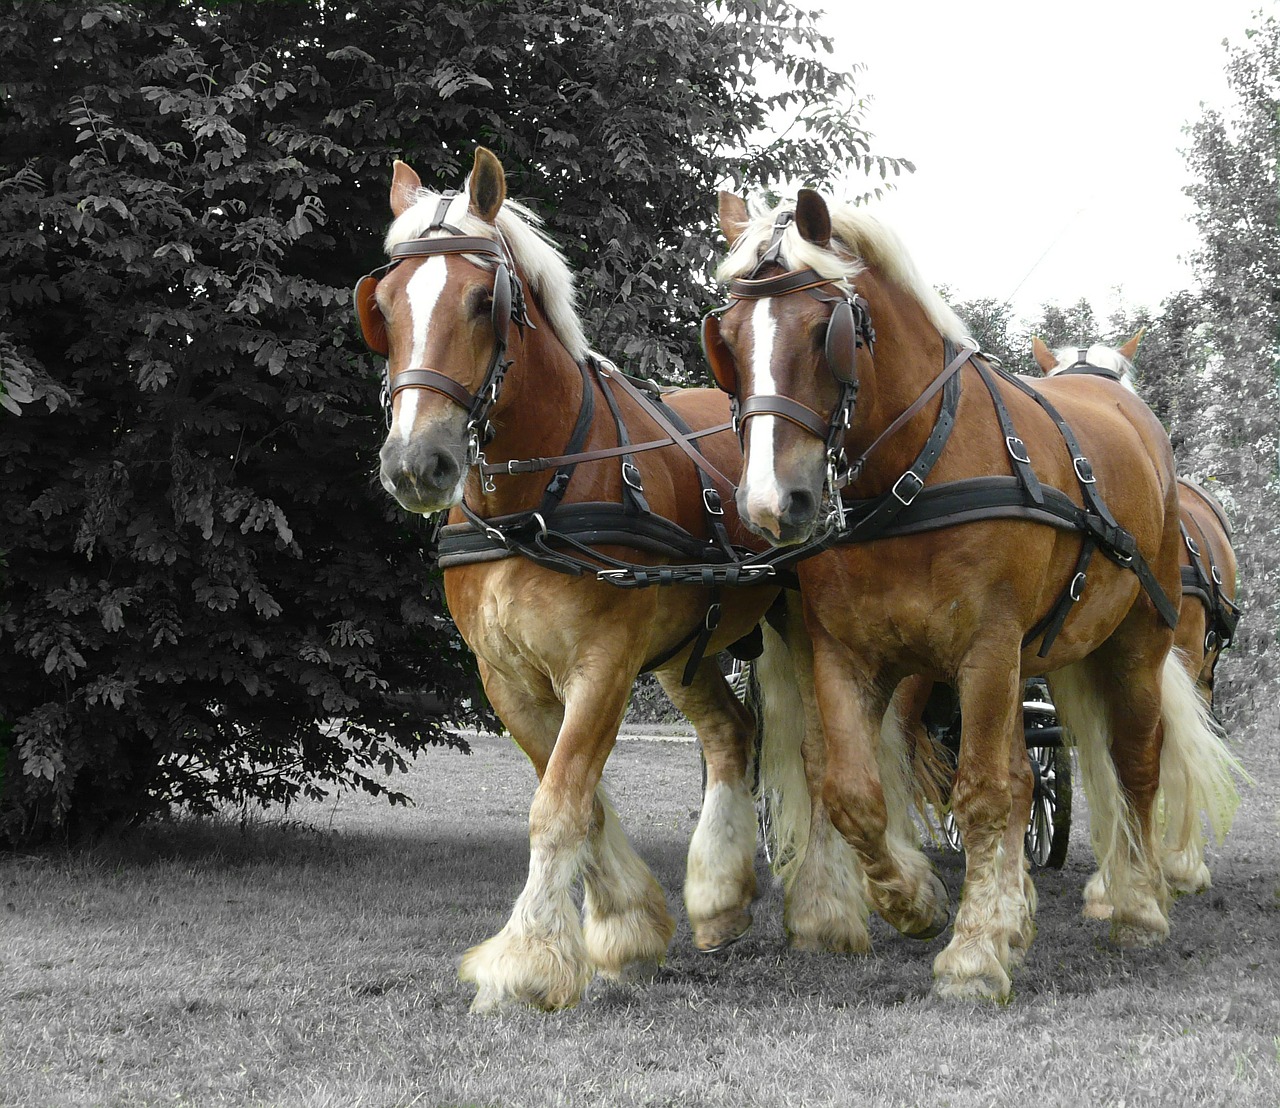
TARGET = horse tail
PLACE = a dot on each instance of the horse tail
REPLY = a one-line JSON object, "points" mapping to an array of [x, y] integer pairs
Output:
{"points": [[1197, 778], [1083, 709], [782, 787]]}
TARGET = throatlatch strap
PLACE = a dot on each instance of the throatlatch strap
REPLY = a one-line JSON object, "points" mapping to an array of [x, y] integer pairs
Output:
{"points": [[559, 482]]}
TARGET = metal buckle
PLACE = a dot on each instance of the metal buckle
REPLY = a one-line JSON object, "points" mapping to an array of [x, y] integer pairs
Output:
{"points": [[711, 499], [612, 574], [631, 475], [1191, 545], [1084, 470], [1014, 445], [542, 525], [713, 617], [905, 500], [1217, 577], [497, 536], [1076, 589]]}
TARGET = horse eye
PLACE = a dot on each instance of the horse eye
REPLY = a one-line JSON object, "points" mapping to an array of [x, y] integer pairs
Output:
{"points": [[480, 302]]}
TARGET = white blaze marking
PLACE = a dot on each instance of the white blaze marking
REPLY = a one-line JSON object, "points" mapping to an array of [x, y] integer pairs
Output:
{"points": [[761, 480], [423, 290]]}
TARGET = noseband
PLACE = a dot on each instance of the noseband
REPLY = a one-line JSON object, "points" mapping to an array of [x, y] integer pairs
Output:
{"points": [[508, 306]]}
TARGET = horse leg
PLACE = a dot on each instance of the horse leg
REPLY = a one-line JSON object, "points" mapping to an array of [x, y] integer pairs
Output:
{"points": [[1018, 897], [993, 908], [541, 956], [824, 905], [720, 882], [867, 793]]}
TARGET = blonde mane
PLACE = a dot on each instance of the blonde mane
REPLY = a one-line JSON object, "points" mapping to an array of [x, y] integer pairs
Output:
{"points": [[1104, 357], [858, 240], [538, 261]]}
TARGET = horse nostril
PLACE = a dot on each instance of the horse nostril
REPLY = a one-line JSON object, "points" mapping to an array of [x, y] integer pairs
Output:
{"points": [[440, 469], [798, 508]]}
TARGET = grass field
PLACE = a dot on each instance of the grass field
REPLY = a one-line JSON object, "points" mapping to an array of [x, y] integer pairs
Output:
{"points": [[311, 960]]}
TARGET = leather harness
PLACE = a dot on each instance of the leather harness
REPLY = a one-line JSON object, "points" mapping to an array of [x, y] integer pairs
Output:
{"points": [[1203, 580], [565, 537]]}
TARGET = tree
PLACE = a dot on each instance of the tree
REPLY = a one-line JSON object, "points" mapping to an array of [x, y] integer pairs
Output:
{"points": [[1229, 418], [204, 595]]}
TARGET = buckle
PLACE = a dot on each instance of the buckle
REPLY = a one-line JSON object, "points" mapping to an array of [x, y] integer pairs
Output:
{"points": [[1210, 641], [1017, 449], [905, 499], [1076, 589], [1217, 577], [711, 499], [1191, 545], [1084, 470], [713, 617], [631, 475], [612, 574]]}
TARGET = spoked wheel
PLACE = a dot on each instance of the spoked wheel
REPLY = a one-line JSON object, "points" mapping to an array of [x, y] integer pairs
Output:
{"points": [[742, 681], [1049, 828]]}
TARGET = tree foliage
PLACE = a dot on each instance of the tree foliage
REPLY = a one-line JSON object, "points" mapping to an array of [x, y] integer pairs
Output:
{"points": [[1227, 420], [203, 594]]}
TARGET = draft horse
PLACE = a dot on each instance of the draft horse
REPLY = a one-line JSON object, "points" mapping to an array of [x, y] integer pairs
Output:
{"points": [[564, 481], [963, 513], [1209, 569], [1206, 623]]}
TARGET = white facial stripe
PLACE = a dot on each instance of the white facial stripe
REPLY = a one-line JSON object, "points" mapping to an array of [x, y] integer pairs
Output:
{"points": [[760, 478], [423, 291]]}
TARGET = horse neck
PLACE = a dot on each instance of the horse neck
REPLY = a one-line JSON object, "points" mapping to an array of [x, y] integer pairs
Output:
{"points": [[534, 417], [908, 357]]}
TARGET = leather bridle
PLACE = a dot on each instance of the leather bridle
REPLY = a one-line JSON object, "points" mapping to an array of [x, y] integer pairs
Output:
{"points": [[848, 330], [508, 306]]}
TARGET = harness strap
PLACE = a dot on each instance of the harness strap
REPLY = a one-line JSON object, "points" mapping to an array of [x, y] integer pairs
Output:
{"points": [[568, 461], [1013, 444], [653, 412], [954, 366], [536, 465], [1054, 619], [632, 482], [887, 507]]}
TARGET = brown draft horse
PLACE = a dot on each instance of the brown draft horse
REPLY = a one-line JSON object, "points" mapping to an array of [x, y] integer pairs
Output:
{"points": [[1209, 568], [955, 604], [1206, 622], [558, 654]]}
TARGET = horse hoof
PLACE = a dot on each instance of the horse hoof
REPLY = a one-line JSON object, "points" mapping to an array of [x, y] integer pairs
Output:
{"points": [[941, 914], [713, 936]]}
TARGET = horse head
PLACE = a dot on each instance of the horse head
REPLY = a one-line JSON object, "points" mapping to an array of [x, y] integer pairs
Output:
{"points": [[786, 348], [441, 313]]}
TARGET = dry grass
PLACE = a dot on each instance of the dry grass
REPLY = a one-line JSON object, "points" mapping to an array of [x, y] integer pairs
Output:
{"points": [[311, 961]]}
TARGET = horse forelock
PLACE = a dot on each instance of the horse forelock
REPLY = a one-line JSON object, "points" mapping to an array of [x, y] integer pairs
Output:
{"points": [[859, 241], [537, 260], [1104, 357]]}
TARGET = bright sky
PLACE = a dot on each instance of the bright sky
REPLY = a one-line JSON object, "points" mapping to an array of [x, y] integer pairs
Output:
{"points": [[1037, 129]]}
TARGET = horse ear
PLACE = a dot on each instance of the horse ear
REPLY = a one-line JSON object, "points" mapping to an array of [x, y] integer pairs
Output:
{"points": [[487, 185], [813, 220], [1043, 355], [1130, 348], [733, 216], [404, 188]]}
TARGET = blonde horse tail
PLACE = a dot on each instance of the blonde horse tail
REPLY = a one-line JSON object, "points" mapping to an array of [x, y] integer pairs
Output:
{"points": [[1083, 710], [782, 785], [1197, 779]]}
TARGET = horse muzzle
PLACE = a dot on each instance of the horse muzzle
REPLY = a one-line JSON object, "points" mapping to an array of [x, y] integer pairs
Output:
{"points": [[787, 517], [423, 476]]}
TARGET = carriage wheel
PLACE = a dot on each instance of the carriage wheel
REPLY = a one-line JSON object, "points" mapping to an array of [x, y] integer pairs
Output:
{"points": [[741, 678], [1049, 829]]}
